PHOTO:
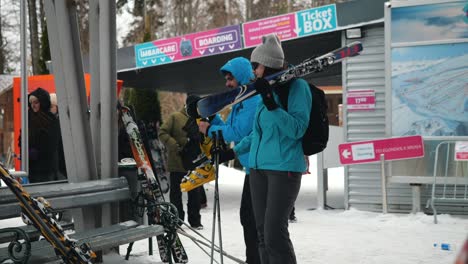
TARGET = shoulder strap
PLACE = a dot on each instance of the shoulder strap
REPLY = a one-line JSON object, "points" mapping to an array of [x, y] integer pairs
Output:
{"points": [[283, 93]]}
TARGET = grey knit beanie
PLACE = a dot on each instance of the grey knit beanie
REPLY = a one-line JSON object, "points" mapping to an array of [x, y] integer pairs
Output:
{"points": [[269, 53]]}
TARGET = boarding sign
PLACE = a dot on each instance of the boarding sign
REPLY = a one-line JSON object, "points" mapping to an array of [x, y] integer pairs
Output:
{"points": [[461, 151], [188, 46], [283, 26], [360, 100], [316, 20], [370, 151]]}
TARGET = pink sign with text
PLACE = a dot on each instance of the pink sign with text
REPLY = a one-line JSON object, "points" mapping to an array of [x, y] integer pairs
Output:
{"points": [[360, 100], [393, 149], [283, 26], [461, 150]]}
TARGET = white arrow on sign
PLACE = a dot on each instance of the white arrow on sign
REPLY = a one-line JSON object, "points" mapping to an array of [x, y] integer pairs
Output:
{"points": [[211, 50], [201, 51], [231, 46], [345, 154], [297, 30], [221, 48], [144, 62]]}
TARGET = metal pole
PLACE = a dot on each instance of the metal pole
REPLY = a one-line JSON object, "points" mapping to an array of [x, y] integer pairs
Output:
{"points": [[384, 184], [24, 91]]}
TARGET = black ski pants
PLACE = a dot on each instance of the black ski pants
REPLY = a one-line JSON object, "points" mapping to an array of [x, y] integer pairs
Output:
{"points": [[247, 220], [193, 204], [273, 197]]}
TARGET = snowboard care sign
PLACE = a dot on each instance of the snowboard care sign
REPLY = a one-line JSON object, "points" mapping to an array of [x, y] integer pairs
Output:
{"points": [[188, 46], [283, 26]]}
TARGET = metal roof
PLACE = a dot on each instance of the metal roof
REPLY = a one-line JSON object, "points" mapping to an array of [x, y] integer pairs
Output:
{"points": [[201, 76]]}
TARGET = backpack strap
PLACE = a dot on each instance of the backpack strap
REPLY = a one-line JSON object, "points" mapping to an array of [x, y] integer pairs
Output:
{"points": [[283, 93]]}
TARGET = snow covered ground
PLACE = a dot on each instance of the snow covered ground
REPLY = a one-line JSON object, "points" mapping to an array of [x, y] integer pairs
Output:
{"points": [[327, 236], [324, 236]]}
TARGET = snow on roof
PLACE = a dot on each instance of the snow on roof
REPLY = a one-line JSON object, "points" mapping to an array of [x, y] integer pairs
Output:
{"points": [[6, 82]]}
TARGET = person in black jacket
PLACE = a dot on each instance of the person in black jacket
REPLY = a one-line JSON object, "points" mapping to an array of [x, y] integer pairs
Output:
{"points": [[44, 138]]}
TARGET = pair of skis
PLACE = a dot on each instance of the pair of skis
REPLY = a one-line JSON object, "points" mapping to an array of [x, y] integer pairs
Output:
{"points": [[212, 104], [151, 190], [38, 212]]}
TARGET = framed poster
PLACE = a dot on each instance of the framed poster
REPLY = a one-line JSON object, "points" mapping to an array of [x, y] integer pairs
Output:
{"points": [[429, 68]]}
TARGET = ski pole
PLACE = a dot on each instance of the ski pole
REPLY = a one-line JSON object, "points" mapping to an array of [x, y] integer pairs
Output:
{"points": [[194, 239]]}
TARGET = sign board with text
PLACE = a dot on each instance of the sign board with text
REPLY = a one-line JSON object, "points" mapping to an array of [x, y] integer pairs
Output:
{"points": [[283, 26], [188, 46], [360, 100], [461, 150], [316, 20], [370, 151], [290, 26]]}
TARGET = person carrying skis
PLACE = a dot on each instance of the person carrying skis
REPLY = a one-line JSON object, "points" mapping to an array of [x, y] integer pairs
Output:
{"points": [[238, 125], [277, 163]]}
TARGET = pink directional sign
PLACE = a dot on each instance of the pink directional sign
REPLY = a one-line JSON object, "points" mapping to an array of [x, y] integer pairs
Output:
{"points": [[360, 100], [284, 26], [189, 46], [393, 149], [461, 150]]}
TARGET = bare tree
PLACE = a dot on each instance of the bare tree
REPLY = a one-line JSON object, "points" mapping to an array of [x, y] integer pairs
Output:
{"points": [[2, 46], [149, 17], [34, 36]]}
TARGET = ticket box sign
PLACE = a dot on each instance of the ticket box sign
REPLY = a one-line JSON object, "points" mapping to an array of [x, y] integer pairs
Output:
{"points": [[360, 100], [283, 26], [190, 46], [461, 151], [316, 20], [393, 148]]}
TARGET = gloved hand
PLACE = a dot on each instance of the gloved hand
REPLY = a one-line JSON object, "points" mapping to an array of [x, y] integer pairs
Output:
{"points": [[225, 155], [264, 88], [203, 127]]}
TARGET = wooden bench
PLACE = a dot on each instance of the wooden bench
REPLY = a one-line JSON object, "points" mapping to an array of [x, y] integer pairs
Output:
{"points": [[78, 195]]}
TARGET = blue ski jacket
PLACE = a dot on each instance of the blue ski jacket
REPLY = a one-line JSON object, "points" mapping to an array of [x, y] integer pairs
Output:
{"points": [[240, 121], [276, 140]]}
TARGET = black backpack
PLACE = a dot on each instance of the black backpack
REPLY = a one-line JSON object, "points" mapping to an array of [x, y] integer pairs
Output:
{"points": [[316, 136]]}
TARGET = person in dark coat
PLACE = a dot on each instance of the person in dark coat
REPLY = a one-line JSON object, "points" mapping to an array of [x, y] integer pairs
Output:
{"points": [[175, 137], [44, 138]]}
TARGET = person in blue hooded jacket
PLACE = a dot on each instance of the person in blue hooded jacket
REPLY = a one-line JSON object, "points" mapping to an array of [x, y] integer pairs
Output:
{"points": [[276, 157], [238, 125]]}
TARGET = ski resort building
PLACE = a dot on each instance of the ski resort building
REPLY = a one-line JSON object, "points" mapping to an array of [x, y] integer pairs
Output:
{"points": [[396, 71], [408, 186]]}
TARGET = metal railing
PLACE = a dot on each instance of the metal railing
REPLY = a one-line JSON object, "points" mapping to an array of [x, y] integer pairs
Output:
{"points": [[450, 178]]}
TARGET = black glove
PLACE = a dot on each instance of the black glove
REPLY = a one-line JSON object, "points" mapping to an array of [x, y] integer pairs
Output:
{"points": [[264, 88], [224, 154]]}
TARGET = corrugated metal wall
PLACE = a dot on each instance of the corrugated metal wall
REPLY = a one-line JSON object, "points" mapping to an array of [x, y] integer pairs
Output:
{"points": [[362, 182], [367, 71]]}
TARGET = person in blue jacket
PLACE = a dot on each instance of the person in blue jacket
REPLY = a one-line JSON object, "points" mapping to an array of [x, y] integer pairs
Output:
{"points": [[276, 157], [238, 125]]}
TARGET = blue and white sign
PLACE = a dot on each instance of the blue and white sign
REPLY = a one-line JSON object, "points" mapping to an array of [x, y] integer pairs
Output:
{"points": [[148, 54], [316, 20]]}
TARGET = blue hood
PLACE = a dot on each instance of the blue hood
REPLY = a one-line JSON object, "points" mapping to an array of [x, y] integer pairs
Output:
{"points": [[240, 68]]}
